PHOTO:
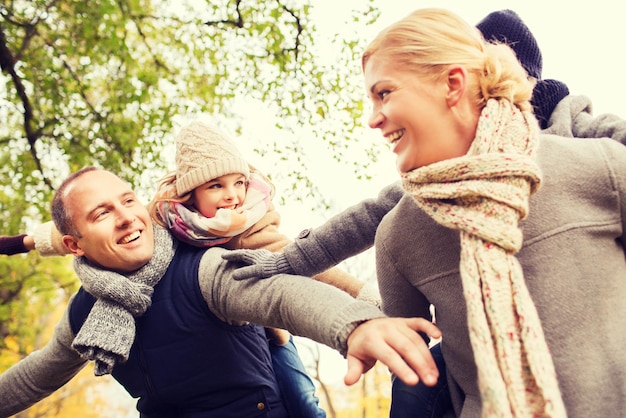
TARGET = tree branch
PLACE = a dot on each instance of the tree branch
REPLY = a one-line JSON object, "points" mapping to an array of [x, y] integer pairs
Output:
{"points": [[236, 23], [8, 61]]}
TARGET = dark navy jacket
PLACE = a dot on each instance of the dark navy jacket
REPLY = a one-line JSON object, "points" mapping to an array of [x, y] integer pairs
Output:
{"points": [[185, 362]]}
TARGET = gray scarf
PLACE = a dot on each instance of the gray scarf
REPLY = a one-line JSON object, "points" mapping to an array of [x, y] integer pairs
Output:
{"points": [[109, 331]]}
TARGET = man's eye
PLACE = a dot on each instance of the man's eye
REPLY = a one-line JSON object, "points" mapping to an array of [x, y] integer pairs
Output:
{"points": [[383, 93]]}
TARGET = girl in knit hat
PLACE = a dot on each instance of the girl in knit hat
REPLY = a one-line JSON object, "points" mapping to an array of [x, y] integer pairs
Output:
{"points": [[516, 238], [216, 198]]}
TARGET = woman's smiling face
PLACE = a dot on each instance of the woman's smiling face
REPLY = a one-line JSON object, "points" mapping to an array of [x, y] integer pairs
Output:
{"points": [[412, 113]]}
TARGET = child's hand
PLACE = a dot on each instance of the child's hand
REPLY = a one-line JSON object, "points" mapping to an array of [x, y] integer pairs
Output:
{"points": [[260, 264]]}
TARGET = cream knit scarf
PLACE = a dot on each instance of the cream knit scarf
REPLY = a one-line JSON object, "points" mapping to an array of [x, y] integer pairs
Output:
{"points": [[109, 331], [485, 194]]}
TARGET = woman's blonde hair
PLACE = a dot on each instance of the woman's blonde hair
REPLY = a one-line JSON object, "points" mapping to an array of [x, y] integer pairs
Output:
{"points": [[168, 184], [429, 40]]}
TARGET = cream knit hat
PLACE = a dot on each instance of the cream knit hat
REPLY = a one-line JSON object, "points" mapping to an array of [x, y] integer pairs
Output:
{"points": [[203, 154]]}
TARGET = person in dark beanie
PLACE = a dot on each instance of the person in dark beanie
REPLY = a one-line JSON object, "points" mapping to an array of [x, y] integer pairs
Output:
{"points": [[505, 26], [558, 111]]}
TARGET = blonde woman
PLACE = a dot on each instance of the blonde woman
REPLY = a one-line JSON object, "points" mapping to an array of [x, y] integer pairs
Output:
{"points": [[516, 237]]}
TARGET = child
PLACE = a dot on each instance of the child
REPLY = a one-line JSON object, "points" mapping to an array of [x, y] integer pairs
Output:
{"points": [[216, 198]]}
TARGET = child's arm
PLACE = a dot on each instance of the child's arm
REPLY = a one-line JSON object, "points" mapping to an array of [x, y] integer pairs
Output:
{"points": [[573, 118]]}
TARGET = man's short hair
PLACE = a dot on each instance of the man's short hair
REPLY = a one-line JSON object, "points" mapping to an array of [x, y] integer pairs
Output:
{"points": [[61, 215]]}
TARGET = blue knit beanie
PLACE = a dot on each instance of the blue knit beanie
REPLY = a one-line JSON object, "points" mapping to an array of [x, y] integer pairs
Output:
{"points": [[505, 26]]}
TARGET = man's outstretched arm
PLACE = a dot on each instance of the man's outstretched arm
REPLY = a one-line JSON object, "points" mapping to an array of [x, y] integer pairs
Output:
{"points": [[40, 373], [322, 313]]}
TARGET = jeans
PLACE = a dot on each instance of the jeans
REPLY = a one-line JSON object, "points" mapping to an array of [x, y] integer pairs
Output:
{"points": [[296, 387], [421, 400]]}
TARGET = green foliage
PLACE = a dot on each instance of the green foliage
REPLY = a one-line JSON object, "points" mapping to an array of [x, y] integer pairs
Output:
{"points": [[100, 82]]}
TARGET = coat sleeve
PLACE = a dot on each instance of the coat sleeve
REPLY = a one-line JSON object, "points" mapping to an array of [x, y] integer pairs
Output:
{"points": [[40, 373], [265, 235], [304, 307], [573, 118], [342, 236], [616, 158]]}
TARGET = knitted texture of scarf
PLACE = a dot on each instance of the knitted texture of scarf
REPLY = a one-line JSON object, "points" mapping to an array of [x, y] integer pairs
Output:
{"points": [[484, 195], [109, 331], [192, 228]]}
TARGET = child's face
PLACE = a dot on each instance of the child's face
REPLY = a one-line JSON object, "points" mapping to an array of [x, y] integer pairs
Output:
{"points": [[225, 192]]}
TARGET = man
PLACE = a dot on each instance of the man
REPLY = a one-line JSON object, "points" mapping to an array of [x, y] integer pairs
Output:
{"points": [[180, 340]]}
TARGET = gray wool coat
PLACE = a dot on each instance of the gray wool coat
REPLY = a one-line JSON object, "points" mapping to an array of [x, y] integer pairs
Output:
{"points": [[574, 265]]}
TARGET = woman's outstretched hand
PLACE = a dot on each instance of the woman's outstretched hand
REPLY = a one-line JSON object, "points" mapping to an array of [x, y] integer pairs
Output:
{"points": [[258, 264]]}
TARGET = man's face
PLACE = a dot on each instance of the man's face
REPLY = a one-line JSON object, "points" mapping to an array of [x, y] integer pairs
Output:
{"points": [[115, 228]]}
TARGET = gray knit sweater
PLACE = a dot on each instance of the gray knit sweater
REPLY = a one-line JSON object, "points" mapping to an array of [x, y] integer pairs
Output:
{"points": [[305, 307], [574, 265]]}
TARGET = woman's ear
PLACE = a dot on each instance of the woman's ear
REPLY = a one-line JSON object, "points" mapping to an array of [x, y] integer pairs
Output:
{"points": [[72, 245], [456, 84]]}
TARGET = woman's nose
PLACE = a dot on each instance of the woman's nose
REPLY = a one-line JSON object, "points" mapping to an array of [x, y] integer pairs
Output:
{"points": [[376, 119]]}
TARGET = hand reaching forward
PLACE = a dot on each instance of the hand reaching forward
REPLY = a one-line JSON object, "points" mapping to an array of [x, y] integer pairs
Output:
{"points": [[396, 343], [258, 264]]}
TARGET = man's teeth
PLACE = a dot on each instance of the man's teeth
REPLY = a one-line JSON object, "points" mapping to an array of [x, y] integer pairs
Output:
{"points": [[130, 237]]}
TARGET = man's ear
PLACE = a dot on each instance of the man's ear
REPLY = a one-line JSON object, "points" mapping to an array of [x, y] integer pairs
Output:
{"points": [[456, 83], [72, 245]]}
